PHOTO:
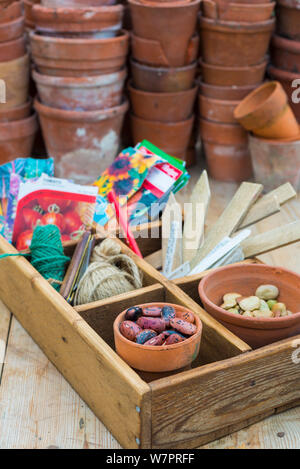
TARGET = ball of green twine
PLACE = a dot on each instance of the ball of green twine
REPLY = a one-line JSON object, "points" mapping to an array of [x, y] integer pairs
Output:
{"points": [[47, 254]]}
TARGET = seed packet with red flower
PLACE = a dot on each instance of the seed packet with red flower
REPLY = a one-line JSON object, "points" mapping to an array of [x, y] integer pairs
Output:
{"points": [[53, 201]]}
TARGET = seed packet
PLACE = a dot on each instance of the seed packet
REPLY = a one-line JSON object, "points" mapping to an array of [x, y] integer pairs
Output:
{"points": [[54, 201]]}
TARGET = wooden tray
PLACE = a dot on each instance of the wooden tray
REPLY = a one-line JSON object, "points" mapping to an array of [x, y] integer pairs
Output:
{"points": [[228, 388]]}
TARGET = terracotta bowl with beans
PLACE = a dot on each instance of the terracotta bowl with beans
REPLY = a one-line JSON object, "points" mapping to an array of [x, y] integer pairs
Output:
{"points": [[258, 303], [157, 337]]}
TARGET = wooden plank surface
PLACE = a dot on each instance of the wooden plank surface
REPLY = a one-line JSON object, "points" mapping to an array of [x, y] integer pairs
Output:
{"points": [[47, 412]]}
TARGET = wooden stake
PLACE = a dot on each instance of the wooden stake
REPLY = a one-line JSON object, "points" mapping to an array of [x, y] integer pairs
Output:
{"points": [[262, 209], [194, 215], [230, 219], [171, 235], [284, 193], [201, 192], [273, 239]]}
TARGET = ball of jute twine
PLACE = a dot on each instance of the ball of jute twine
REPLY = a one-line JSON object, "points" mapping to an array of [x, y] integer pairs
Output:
{"points": [[110, 273]]}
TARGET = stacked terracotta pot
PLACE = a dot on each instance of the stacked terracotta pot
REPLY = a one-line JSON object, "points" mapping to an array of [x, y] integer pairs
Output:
{"points": [[18, 124], [285, 51], [235, 37], [275, 135], [80, 55], [163, 68]]}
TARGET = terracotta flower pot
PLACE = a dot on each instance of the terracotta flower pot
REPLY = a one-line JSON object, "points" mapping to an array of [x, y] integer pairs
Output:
{"points": [[288, 19], [15, 74], [266, 112], [287, 79], [154, 25], [5, 3], [235, 44], [217, 110], [78, 20], [81, 93], [239, 12], [17, 138], [285, 54], [15, 113], [79, 56], [275, 162], [28, 5], [171, 137], [162, 107], [76, 3], [11, 12], [12, 49], [162, 80], [82, 143], [157, 358], [244, 279], [237, 76], [11, 30], [231, 93], [226, 150]]}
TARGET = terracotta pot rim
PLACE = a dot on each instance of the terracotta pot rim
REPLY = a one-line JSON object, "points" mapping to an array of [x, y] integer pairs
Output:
{"points": [[232, 87], [15, 5], [162, 93], [13, 130], [7, 24], [221, 102], [164, 5], [222, 124], [85, 81], [79, 116], [149, 68], [189, 120], [286, 44], [22, 58], [157, 347], [78, 41], [82, 10], [239, 112], [16, 108], [285, 74], [237, 69], [13, 41], [253, 323], [279, 141], [240, 27]]}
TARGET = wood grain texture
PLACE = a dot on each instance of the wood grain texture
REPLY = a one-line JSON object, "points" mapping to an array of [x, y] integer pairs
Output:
{"points": [[252, 384], [261, 210], [171, 232], [230, 219], [5, 319], [81, 355]]}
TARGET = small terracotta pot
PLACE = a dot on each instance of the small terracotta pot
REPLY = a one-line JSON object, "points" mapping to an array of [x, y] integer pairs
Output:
{"points": [[266, 112], [288, 19], [81, 93], [154, 24], [76, 3], [11, 12], [5, 3], [15, 113], [235, 44], [275, 163], [163, 80], [244, 279], [78, 20], [287, 79], [158, 358], [171, 137], [239, 12], [82, 143], [12, 30], [15, 74], [17, 138], [162, 107], [12, 50], [233, 76], [226, 150], [217, 110], [231, 93], [285, 54], [80, 56]]}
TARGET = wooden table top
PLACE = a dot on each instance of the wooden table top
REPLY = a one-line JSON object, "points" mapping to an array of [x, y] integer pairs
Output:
{"points": [[39, 409]]}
